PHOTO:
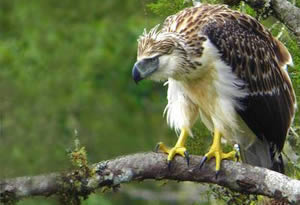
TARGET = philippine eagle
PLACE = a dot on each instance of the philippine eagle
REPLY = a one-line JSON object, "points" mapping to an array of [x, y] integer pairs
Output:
{"points": [[225, 67]]}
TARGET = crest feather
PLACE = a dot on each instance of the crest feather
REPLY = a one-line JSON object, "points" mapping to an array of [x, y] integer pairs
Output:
{"points": [[151, 34], [146, 39]]}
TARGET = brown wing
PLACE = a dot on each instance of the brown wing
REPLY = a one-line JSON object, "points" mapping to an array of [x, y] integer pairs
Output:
{"points": [[190, 20], [259, 60]]}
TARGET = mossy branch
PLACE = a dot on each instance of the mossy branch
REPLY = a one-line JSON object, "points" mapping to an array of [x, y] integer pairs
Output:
{"points": [[137, 167]]}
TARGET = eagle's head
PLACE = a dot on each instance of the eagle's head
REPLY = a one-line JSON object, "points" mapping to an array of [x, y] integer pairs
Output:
{"points": [[161, 55]]}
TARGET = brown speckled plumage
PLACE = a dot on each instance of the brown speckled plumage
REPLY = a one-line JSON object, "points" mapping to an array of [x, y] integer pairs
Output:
{"points": [[254, 56]]}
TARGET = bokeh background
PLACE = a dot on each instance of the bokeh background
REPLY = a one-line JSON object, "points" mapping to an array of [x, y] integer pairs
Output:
{"points": [[65, 72]]}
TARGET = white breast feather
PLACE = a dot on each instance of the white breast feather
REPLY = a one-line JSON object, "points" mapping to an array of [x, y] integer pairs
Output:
{"points": [[180, 111], [228, 89], [215, 101]]}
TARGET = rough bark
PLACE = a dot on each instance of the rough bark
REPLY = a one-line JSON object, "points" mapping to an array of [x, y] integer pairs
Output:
{"points": [[237, 176], [289, 15]]}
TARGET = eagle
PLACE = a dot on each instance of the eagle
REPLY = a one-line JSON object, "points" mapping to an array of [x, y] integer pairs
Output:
{"points": [[223, 66]]}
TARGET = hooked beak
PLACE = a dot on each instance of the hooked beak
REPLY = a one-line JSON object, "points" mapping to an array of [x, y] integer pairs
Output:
{"points": [[144, 68], [136, 73]]}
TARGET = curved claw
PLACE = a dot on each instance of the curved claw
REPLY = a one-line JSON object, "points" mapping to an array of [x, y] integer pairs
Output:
{"points": [[156, 148], [169, 164], [187, 157], [172, 152], [203, 160], [217, 173]]}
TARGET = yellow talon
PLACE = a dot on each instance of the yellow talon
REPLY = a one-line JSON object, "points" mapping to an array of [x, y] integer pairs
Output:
{"points": [[178, 148], [217, 152]]}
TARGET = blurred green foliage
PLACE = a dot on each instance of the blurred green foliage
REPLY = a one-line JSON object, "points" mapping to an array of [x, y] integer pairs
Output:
{"points": [[165, 8], [65, 68]]}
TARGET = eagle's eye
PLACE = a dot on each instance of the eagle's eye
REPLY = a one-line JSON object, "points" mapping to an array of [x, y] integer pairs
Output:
{"points": [[151, 61]]}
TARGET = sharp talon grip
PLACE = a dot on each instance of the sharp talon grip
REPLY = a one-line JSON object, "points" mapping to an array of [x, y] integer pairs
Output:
{"points": [[203, 160], [217, 174], [169, 165], [187, 157]]}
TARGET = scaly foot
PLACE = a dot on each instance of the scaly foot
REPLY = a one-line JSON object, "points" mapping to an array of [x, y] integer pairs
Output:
{"points": [[217, 152], [173, 151], [177, 149]]}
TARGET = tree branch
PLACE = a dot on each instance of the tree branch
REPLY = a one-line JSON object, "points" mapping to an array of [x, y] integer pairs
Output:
{"points": [[289, 15], [283, 10], [237, 176]]}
